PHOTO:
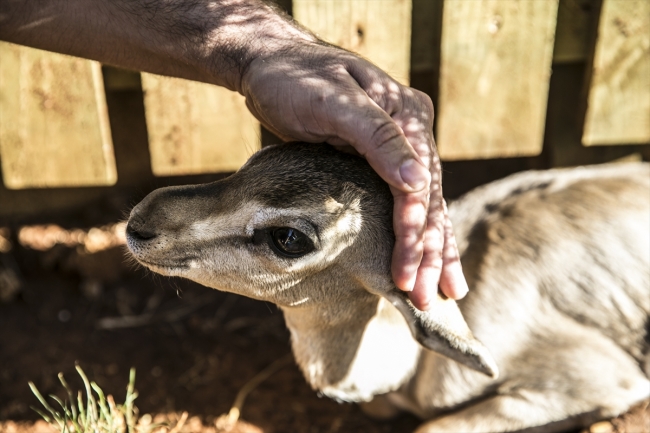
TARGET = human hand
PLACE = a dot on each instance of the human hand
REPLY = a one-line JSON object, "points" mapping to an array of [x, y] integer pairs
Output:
{"points": [[315, 92]]}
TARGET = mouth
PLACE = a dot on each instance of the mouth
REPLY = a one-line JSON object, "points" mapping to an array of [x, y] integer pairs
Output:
{"points": [[167, 267]]}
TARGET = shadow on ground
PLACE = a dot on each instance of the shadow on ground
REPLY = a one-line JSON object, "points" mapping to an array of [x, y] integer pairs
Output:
{"points": [[193, 348]]}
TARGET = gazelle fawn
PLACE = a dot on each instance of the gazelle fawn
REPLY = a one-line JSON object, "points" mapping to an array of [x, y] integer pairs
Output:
{"points": [[558, 264]]}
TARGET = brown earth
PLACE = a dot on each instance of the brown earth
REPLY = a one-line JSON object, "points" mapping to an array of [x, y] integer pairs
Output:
{"points": [[193, 348]]}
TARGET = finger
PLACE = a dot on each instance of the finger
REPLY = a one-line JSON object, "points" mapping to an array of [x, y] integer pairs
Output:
{"points": [[428, 274], [422, 272], [452, 280], [410, 210], [411, 109], [379, 138], [389, 146], [381, 141]]}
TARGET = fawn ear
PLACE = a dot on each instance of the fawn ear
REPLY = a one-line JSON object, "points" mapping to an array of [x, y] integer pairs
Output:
{"points": [[444, 330]]}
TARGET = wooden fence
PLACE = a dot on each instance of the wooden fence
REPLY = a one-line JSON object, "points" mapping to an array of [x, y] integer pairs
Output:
{"points": [[493, 61]]}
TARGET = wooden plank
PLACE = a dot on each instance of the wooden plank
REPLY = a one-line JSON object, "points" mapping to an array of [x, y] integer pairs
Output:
{"points": [[562, 144], [196, 127], [54, 128], [378, 30], [619, 97], [495, 71]]}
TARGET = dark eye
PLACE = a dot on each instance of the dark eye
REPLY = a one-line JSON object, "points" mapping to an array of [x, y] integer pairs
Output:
{"points": [[290, 242]]}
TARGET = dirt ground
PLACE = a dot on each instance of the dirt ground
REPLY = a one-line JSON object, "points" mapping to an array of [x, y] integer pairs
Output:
{"points": [[193, 348]]}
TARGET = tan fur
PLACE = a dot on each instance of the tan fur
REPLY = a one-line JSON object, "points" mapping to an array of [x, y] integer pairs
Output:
{"points": [[557, 262]]}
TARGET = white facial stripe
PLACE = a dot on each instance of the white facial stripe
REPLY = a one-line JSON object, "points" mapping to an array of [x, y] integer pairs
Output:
{"points": [[225, 224], [301, 301], [258, 271], [258, 215], [269, 216], [337, 235], [243, 220]]}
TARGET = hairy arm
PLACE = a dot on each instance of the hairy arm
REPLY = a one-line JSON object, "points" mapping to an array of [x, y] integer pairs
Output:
{"points": [[210, 41], [298, 87]]}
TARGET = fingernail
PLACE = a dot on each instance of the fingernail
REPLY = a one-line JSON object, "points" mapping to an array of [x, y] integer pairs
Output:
{"points": [[421, 304], [462, 291], [461, 284], [407, 286], [414, 174]]}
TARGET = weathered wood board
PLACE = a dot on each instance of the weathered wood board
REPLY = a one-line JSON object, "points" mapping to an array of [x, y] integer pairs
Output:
{"points": [[379, 30], [54, 128], [619, 97], [196, 127], [495, 71]]}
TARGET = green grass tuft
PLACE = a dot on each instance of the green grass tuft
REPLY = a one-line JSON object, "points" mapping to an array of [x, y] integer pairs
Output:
{"points": [[97, 414]]}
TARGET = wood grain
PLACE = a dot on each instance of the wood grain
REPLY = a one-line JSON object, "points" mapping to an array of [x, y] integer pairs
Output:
{"points": [[619, 97], [196, 127], [54, 128], [379, 30], [495, 70]]}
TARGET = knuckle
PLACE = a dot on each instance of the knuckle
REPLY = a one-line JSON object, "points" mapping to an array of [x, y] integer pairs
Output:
{"points": [[426, 101], [385, 134]]}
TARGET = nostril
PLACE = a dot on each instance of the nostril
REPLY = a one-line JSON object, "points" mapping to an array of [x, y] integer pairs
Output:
{"points": [[141, 234]]}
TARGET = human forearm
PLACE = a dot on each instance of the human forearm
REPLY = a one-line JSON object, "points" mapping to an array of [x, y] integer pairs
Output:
{"points": [[205, 40]]}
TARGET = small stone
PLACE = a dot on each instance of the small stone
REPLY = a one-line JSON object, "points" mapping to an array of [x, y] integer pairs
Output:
{"points": [[601, 427]]}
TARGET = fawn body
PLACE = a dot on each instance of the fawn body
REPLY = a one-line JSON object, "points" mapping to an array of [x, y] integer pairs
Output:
{"points": [[558, 264]]}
